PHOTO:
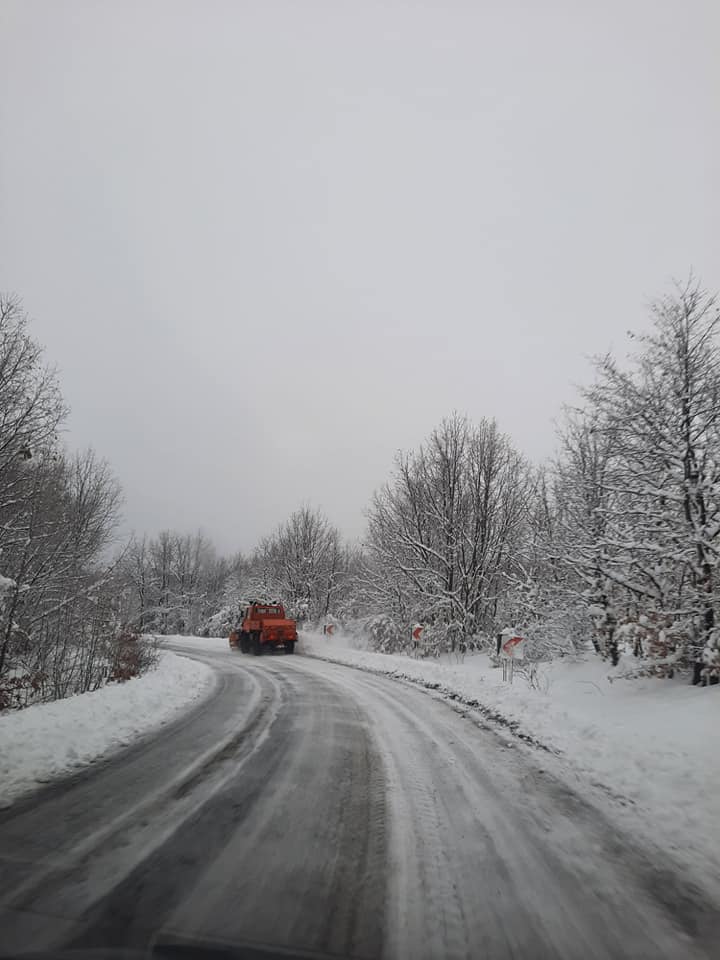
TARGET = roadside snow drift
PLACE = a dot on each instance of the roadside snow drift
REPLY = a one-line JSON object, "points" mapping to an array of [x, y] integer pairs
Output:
{"points": [[52, 739]]}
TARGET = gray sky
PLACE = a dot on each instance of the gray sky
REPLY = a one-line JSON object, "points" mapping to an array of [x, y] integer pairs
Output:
{"points": [[268, 244]]}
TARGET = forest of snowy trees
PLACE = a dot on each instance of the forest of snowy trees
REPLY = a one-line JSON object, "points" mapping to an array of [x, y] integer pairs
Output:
{"points": [[611, 546]]}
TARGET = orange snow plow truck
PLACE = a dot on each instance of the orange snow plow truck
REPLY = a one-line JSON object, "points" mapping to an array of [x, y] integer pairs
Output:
{"points": [[264, 628]]}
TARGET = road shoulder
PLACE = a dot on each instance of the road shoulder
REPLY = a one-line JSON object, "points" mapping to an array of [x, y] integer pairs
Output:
{"points": [[51, 741]]}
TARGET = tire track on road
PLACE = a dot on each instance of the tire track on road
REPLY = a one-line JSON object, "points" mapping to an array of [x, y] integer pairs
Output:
{"points": [[481, 866], [61, 886]]}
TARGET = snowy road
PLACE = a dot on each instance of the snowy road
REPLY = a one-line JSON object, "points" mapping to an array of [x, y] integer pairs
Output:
{"points": [[314, 807]]}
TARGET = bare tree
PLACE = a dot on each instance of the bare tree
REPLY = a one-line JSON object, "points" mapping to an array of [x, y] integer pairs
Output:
{"points": [[58, 515], [586, 500], [175, 583], [303, 562], [442, 533], [58, 616], [640, 487]]}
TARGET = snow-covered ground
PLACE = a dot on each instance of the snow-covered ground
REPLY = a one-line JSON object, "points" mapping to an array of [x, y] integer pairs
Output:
{"points": [[647, 747], [51, 739]]}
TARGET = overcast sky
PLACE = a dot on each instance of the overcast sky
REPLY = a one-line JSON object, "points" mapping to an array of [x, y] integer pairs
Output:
{"points": [[268, 243]]}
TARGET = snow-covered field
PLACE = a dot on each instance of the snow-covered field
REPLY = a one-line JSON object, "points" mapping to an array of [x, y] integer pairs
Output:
{"points": [[647, 747], [52, 739]]}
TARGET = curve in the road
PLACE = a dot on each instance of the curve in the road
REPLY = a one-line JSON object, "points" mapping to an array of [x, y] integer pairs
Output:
{"points": [[311, 807]]}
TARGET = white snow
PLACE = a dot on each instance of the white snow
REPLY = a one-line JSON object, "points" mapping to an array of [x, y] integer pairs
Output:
{"points": [[645, 747], [52, 739], [6, 584]]}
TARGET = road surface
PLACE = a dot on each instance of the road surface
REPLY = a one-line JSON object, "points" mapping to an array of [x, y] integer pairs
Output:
{"points": [[312, 807]]}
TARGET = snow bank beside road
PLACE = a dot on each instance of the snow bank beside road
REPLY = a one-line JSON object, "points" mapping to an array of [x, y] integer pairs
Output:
{"points": [[643, 745], [52, 739]]}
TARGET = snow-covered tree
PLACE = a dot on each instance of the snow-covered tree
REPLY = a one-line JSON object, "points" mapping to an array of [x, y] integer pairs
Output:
{"points": [[303, 563], [443, 531], [59, 617], [58, 513], [541, 599], [582, 545], [638, 488], [175, 582]]}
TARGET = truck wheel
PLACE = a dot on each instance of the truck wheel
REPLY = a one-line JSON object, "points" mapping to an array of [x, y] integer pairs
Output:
{"points": [[244, 643], [256, 645], [290, 647]]}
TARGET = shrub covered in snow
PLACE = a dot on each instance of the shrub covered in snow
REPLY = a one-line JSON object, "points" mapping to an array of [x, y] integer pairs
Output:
{"points": [[221, 623], [131, 655], [711, 659]]}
